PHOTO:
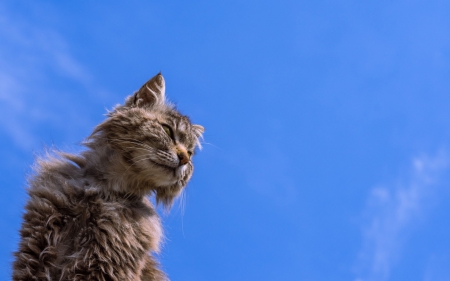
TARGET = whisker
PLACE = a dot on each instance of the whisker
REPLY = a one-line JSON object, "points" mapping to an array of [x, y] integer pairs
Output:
{"points": [[132, 142], [212, 145], [182, 205], [141, 156], [148, 158], [134, 147]]}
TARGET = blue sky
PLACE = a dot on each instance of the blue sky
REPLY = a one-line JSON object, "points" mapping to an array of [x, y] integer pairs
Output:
{"points": [[326, 152]]}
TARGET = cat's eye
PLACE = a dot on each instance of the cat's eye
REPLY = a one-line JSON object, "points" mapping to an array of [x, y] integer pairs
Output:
{"points": [[190, 152], [168, 130]]}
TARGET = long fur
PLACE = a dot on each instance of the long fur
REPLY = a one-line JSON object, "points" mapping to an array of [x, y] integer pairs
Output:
{"points": [[88, 216]]}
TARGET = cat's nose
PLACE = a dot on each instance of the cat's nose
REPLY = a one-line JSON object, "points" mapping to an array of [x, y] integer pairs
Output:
{"points": [[183, 157]]}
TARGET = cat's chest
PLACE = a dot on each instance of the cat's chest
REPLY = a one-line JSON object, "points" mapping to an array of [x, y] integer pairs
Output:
{"points": [[141, 222], [117, 235], [131, 228]]}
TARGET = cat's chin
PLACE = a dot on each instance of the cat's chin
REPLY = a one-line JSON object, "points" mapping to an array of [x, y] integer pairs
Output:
{"points": [[163, 175]]}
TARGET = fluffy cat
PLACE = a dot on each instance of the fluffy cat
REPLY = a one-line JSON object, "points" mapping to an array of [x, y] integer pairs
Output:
{"points": [[88, 216]]}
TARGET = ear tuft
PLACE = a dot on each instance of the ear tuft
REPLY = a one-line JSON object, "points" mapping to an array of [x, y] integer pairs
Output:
{"points": [[198, 131], [151, 93]]}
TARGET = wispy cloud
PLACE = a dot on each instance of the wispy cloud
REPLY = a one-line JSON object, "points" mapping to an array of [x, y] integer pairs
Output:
{"points": [[392, 212], [31, 56]]}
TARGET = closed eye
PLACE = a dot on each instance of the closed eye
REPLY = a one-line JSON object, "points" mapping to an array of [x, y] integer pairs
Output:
{"points": [[168, 130]]}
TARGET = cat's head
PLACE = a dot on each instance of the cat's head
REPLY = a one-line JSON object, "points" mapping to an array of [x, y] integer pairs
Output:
{"points": [[155, 141]]}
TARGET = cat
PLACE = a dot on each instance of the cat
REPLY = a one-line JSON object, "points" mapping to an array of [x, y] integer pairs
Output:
{"points": [[88, 216]]}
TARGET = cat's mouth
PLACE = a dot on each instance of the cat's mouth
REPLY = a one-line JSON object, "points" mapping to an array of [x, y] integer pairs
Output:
{"points": [[166, 167], [175, 173]]}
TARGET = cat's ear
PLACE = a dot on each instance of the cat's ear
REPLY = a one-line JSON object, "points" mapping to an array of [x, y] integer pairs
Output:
{"points": [[151, 93]]}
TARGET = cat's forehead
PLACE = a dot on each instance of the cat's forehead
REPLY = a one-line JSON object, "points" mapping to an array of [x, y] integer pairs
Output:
{"points": [[180, 124], [166, 116], [178, 121], [175, 119]]}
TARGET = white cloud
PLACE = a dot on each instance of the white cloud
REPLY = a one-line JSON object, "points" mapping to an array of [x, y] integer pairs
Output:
{"points": [[31, 56], [392, 211]]}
